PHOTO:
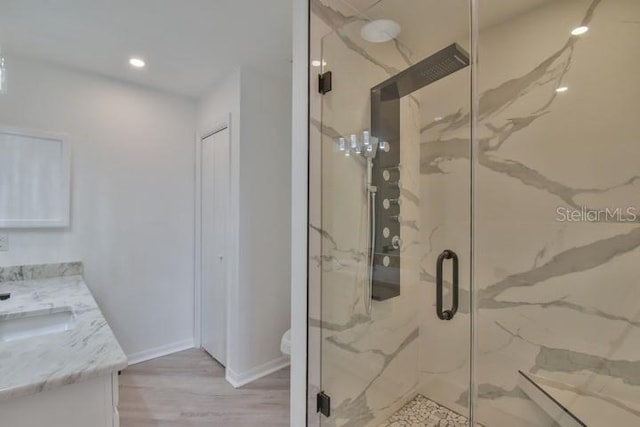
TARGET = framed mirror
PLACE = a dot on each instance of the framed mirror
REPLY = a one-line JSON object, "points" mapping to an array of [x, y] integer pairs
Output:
{"points": [[35, 179]]}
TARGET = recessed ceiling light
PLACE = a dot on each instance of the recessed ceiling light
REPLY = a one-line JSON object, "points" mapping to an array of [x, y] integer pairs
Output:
{"points": [[317, 63], [580, 30], [437, 119], [562, 89], [137, 62], [380, 31]]}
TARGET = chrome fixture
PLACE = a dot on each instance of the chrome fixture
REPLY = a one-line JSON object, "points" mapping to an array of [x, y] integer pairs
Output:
{"points": [[396, 242], [366, 146], [388, 203], [3, 75]]}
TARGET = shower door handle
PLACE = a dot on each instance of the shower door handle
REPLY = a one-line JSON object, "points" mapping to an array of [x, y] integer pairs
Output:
{"points": [[446, 314]]}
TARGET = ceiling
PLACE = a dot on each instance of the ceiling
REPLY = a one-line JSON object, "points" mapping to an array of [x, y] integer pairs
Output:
{"points": [[431, 24], [491, 12], [187, 44]]}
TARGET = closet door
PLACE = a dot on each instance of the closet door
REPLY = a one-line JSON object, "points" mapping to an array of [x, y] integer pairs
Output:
{"points": [[215, 201]]}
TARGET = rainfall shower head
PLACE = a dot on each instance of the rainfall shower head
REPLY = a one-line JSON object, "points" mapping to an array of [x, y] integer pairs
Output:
{"points": [[437, 66]]}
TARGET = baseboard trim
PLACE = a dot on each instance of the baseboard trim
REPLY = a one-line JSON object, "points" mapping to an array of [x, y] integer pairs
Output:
{"points": [[163, 350], [239, 379]]}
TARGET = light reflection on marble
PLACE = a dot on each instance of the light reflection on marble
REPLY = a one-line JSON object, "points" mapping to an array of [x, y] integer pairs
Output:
{"points": [[90, 349]]}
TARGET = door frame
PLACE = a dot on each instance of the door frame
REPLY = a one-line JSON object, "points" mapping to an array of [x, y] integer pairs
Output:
{"points": [[300, 108], [229, 254]]}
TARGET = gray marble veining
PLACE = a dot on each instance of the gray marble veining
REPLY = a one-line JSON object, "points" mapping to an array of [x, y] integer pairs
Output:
{"points": [[40, 271], [34, 364], [495, 100], [357, 410], [573, 260]]}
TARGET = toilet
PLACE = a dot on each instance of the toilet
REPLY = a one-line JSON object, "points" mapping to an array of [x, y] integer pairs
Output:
{"points": [[285, 343]]}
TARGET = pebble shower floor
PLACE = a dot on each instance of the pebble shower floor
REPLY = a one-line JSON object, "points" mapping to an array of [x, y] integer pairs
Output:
{"points": [[422, 412]]}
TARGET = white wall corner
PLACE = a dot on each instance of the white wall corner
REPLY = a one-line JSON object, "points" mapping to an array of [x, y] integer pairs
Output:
{"points": [[163, 350]]}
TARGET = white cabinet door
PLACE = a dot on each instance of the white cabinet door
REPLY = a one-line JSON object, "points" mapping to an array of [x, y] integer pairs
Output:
{"points": [[88, 403], [214, 237]]}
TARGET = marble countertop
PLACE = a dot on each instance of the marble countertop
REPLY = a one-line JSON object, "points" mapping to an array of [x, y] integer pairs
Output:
{"points": [[34, 364]]}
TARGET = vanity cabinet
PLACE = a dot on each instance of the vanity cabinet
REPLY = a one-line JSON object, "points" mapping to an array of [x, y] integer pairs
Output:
{"points": [[89, 403], [59, 359]]}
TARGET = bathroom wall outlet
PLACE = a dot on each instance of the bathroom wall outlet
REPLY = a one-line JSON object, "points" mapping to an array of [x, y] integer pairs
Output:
{"points": [[4, 242]]}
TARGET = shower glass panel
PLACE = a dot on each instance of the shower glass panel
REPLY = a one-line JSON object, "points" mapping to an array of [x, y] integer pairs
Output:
{"points": [[396, 172], [556, 214], [546, 197]]}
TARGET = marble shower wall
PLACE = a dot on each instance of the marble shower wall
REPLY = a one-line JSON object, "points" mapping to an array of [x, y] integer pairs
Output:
{"points": [[558, 300]]}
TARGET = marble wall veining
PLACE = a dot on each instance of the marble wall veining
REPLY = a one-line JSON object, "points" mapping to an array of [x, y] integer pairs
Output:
{"points": [[559, 299], [556, 298], [40, 271]]}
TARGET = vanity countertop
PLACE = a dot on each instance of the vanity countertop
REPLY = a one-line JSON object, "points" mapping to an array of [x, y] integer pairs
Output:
{"points": [[34, 364]]}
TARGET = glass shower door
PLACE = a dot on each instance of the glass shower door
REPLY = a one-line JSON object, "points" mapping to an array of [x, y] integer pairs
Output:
{"points": [[395, 222]]}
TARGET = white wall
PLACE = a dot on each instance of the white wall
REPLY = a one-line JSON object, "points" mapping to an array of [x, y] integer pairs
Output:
{"points": [[259, 265], [221, 100], [132, 197], [265, 216]]}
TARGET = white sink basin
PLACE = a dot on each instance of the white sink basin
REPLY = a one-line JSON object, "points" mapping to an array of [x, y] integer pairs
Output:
{"points": [[37, 324]]}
